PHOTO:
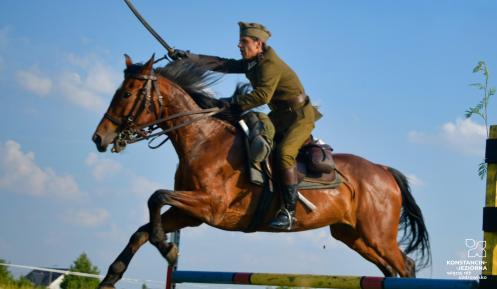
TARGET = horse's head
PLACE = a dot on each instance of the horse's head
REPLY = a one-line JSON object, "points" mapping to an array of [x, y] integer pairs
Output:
{"points": [[135, 104]]}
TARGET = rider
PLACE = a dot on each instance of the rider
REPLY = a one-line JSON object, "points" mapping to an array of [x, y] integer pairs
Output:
{"points": [[274, 83]]}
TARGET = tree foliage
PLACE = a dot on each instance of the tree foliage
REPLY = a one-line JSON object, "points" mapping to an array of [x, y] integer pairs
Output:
{"points": [[7, 281], [5, 275], [481, 109], [83, 265]]}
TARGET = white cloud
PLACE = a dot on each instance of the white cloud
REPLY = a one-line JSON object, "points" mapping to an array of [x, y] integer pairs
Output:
{"points": [[33, 80], [143, 186], [463, 135], [114, 233], [415, 180], [102, 167], [21, 174], [87, 218], [91, 85], [73, 88], [100, 77]]}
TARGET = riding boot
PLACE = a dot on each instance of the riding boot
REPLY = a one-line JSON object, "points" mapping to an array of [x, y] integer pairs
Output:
{"points": [[285, 218]]}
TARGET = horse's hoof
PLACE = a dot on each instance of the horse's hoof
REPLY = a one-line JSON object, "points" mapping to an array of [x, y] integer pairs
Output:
{"points": [[411, 266], [172, 255]]}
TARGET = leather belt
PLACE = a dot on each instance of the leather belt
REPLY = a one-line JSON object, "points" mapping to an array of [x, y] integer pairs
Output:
{"points": [[291, 104]]}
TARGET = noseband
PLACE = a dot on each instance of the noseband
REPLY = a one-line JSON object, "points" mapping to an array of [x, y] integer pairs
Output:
{"points": [[130, 132]]}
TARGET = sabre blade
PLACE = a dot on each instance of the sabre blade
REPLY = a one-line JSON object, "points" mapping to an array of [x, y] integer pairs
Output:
{"points": [[306, 202], [148, 27]]}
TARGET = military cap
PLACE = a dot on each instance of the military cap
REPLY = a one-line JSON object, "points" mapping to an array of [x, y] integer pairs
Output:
{"points": [[254, 30]]}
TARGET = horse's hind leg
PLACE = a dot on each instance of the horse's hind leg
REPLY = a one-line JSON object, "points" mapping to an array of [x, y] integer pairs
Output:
{"points": [[410, 264], [394, 255], [382, 237], [351, 238], [176, 220]]}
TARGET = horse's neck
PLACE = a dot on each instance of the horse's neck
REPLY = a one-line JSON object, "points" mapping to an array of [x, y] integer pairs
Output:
{"points": [[189, 138]]}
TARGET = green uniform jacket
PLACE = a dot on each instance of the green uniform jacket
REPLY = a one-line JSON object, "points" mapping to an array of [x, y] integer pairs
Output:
{"points": [[273, 82], [271, 78]]}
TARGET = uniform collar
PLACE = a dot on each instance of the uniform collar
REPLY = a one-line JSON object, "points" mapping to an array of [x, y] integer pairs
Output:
{"points": [[253, 63]]}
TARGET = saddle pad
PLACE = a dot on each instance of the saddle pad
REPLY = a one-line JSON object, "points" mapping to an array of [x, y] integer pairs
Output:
{"points": [[256, 176], [313, 184]]}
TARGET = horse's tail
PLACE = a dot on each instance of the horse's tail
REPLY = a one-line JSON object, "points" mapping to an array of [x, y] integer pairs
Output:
{"points": [[415, 237]]}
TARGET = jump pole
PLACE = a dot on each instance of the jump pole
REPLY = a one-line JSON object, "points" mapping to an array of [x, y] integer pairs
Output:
{"points": [[319, 281], [489, 272]]}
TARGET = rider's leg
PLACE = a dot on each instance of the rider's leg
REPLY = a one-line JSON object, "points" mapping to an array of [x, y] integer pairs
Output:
{"points": [[287, 149]]}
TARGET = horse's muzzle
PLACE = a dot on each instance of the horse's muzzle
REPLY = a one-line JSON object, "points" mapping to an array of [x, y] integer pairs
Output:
{"points": [[98, 142]]}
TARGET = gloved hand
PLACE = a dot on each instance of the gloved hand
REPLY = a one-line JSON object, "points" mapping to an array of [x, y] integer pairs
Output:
{"points": [[229, 103], [178, 54], [226, 102]]}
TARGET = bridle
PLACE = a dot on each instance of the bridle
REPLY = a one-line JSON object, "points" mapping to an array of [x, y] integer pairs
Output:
{"points": [[130, 132]]}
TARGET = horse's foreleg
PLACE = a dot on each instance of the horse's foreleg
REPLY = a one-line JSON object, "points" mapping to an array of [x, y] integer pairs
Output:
{"points": [[116, 270], [183, 201]]}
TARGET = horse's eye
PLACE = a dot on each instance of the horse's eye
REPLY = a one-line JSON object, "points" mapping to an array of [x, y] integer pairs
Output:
{"points": [[127, 94]]}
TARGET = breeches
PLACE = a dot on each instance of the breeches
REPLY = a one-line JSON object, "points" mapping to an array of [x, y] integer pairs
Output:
{"points": [[293, 128]]}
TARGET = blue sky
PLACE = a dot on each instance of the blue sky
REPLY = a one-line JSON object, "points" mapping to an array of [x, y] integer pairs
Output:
{"points": [[391, 78]]}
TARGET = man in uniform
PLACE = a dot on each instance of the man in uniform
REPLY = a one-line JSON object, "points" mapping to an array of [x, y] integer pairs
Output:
{"points": [[274, 83]]}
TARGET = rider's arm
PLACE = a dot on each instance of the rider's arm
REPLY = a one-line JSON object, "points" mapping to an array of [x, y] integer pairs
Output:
{"points": [[214, 63], [219, 64], [265, 82]]}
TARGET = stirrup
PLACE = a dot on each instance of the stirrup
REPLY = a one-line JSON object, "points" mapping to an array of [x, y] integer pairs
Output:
{"points": [[291, 219]]}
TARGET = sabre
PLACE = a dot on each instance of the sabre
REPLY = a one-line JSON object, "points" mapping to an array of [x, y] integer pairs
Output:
{"points": [[169, 49]]}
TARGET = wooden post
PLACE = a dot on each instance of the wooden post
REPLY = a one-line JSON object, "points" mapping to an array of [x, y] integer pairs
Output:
{"points": [[489, 272]]}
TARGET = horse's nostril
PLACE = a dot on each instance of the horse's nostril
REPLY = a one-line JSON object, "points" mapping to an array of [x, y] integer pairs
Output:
{"points": [[97, 140]]}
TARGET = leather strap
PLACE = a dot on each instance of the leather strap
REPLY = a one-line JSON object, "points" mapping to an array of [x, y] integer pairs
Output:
{"points": [[291, 104]]}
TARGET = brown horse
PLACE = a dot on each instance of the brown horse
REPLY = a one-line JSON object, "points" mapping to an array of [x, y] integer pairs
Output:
{"points": [[212, 187]]}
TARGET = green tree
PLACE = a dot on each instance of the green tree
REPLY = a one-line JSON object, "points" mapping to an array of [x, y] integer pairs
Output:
{"points": [[5, 275], [144, 286], [83, 265], [23, 282], [481, 109]]}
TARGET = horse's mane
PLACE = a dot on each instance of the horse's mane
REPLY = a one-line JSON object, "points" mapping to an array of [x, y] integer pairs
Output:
{"points": [[196, 79]]}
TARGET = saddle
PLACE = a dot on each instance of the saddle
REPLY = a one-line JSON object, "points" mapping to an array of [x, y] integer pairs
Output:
{"points": [[315, 166], [316, 170]]}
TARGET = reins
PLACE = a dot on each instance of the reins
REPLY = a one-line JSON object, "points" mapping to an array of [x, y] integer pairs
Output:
{"points": [[132, 133], [154, 125]]}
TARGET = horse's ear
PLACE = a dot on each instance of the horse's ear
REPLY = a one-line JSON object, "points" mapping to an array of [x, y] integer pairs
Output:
{"points": [[129, 62], [150, 62]]}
